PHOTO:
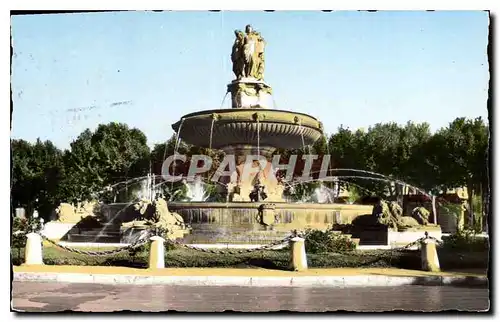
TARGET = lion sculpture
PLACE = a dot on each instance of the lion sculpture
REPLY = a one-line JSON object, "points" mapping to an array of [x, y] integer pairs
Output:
{"points": [[391, 214]]}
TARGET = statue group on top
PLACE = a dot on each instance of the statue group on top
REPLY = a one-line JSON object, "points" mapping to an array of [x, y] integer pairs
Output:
{"points": [[248, 54]]}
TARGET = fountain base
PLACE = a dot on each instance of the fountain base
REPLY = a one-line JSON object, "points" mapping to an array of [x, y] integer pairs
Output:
{"points": [[259, 222], [250, 93]]}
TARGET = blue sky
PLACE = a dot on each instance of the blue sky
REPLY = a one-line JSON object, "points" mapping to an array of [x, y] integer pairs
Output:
{"points": [[71, 71]]}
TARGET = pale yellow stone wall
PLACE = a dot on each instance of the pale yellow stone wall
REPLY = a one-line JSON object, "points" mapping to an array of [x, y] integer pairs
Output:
{"points": [[68, 213]]}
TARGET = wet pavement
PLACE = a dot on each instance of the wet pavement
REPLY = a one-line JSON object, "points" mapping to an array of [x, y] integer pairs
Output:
{"points": [[52, 297]]}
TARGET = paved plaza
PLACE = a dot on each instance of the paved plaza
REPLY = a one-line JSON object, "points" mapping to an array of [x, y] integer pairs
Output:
{"points": [[52, 297]]}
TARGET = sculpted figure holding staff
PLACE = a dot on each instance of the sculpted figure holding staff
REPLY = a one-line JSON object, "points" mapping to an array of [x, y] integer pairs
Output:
{"points": [[248, 54]]}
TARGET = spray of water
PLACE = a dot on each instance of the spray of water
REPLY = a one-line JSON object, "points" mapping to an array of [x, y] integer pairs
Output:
{"points": [[100, 233], [274, 103], [211, 133], [258, 137], [388, 178], [196, 190], [223, 100], [302, 130], [176, 147]]}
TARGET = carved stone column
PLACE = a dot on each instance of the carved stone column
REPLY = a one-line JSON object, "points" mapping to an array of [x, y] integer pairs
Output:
{"points": [[250, 93]]}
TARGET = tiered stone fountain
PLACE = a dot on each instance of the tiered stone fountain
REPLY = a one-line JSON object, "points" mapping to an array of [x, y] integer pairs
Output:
{"points": [[255, 211], [253, 127]]}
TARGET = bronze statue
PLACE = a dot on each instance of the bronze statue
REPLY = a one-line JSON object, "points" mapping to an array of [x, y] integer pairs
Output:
{"points": [[237, 56], [248, 54], [260, 67]]}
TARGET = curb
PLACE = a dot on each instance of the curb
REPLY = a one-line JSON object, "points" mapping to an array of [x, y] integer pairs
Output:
{"points": [[299, 281]]}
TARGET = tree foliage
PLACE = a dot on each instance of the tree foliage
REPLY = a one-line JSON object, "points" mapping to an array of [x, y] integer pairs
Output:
{"points": [[112, 153], [36, 172]]}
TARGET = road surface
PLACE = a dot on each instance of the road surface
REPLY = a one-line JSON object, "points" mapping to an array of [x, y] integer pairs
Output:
{"points": [[52, 297]]}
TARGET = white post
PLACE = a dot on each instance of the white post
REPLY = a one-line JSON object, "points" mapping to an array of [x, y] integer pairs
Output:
{"points": [[33, 250], [298, 255], [430, 260], [157, 253]]}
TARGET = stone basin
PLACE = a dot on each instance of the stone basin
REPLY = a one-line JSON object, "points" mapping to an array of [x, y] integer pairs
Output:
{"points": [[245, 222], [239, 127]]}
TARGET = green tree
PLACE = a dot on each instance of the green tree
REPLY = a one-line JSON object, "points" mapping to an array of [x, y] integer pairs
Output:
{"points": [[349, 150], [346, 148], [462, 160], [111, 154], [412, 167], [37, 171]]}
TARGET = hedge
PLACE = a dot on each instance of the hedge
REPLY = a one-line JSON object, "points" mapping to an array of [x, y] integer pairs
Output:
{"points": [[270, 259]]}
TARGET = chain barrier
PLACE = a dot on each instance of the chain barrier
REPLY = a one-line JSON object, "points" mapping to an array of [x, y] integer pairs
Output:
{"points": [[151, 232], [417, 242], [231, 252], [294, 233], [139, 242]]}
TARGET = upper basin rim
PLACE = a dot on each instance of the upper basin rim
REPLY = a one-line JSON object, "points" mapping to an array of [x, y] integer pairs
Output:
{"points": [[236, 110]]}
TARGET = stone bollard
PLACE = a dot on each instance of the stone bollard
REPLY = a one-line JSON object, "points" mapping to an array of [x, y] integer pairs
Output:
{"points": [[298, 257], [430, 260], [33, 250], [157, 253]]}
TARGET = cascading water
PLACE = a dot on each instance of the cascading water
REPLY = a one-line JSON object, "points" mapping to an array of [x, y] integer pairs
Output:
{"points": [[274, 103], [176, 147], [323, 194], [177, 139], [211, 133], [258, 138], [146, 188], [195, 191], [326, 143], [302, 130], [223, 99]]}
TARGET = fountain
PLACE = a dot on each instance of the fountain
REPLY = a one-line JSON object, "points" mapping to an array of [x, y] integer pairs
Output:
{"points": [[253, 128], [255, 210]]}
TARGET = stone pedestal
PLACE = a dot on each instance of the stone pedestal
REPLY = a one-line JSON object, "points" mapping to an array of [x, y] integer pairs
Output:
{"points": [[250, 93], [430, 260], [33, 250], [401, 238], [157, 253], [298, 257]]}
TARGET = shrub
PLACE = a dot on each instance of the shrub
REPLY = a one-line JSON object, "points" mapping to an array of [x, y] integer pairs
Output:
{"points": [[465, 240], [318, 241], [366, 259], [21, 226], [192, 258], [452, 259], [138, 252]]}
